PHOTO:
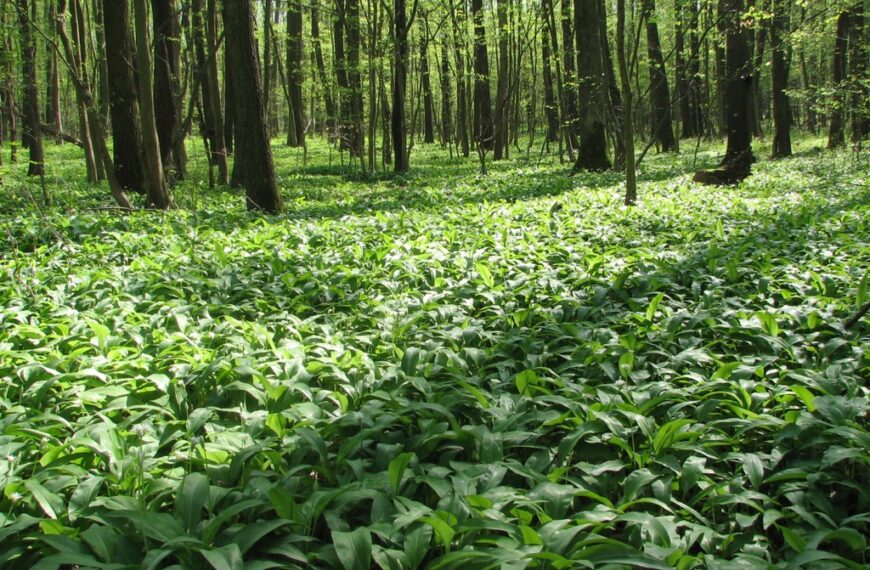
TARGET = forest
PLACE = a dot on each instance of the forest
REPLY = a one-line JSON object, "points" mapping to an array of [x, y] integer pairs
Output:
{"points": [[441, 284]]}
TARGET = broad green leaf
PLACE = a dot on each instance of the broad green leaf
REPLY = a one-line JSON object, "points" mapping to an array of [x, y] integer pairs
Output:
{"points": [[354, 549]]}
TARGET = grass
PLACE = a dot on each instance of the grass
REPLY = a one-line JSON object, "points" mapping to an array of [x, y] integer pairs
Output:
{"points": [[440, 370]]}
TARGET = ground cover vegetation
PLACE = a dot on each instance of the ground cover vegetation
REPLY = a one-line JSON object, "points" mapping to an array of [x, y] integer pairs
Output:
{"points": [[440, 370], [434, 284]]}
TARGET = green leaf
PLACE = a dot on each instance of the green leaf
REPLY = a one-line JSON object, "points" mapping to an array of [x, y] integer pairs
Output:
{"points": [[191, 498], [626, 363], [397, 470], [524, 380], [653, 306], [754, 469], [227, 557], [354, 549]]}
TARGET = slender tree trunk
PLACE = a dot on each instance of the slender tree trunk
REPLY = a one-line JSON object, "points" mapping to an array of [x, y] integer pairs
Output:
{"points": [[167, 84], [155, 182], [779, 78], [836, 129], [755, 102], [32, 123], [229, 103], [570, 85], [627, 98], [425, 78], [386, 133], [124, 108], [592, 76], [53, 115], [295, 75], [858, 71], [550, 109], [400, 71], [500, 146], [80, 36], [253, 150], [483, 127], [268, 32], [102, 63], [660, 95], [325, 83], [461, 84], [444, 78]]}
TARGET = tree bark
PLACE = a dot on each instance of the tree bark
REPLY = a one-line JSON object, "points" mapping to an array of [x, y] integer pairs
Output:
{"points": [[779, 77], [32, 123], [483, 127], [155, 181], [550, 109], [500, 144], [426, 79], [53, 115], [660, 95], [167, 84], [570, 84], [446, 115], [253, 150], [123, 108], [325, 83], [461, 84], [400, 72], [295, 74], [592, 77], [836, 129], [627, 98], [858, 73]]}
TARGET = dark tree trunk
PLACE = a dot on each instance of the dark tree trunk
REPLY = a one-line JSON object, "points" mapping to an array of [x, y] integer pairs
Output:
{"points": [[483, 128], [32, 123], [80, 37], [569, 75], [167, 84], [738, 89], [155, 180], [550, 108], [461, 85], [500, 144], [325, 83], [593, 81], [836, 129], [253, 152], [124, 107], [352, 28], [426, 79], [660, 95], [53, 114], [387, 149], [268, 34], [400, 71], [102, 63], [444, 78], [779, 76], [229, 103], [858, 72], [295, 75]]}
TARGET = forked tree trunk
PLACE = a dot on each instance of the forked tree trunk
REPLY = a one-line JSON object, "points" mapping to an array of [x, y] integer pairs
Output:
{"points": [[254, 165]]}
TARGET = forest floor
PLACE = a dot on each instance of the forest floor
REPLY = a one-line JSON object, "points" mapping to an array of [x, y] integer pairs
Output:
{"points": [[439, 370]]}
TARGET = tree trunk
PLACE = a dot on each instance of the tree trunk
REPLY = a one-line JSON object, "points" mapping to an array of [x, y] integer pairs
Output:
{"points": [[483, 128], [80, 36], [325, 83], [257, 175], [387, 149], [229, 103], [738, 84], [444, 77], [425, 78], [836, 129], [569, 73], [500, 144], [779, 77], [167, 84], [627, 98], [858, 72], [592, 76], [53, 115], [660, 95], [461, 84], [295, 75], [102, 62], [550, 109], [400, 71], [155, 181], [124, 108], [32, 123]]}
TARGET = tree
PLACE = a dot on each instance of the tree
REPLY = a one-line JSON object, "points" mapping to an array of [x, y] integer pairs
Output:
{"points": [[167, 84], [550, 109], [325, 83], [660, 95], [627, 98], [592, 76], [123, 105], [483, 128], [858, 71], [400, 75], [294, 73], [779, 69], [738, 84], [836, 128], [502, 92], [32, 125], [426, 80], [253, 159]]}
